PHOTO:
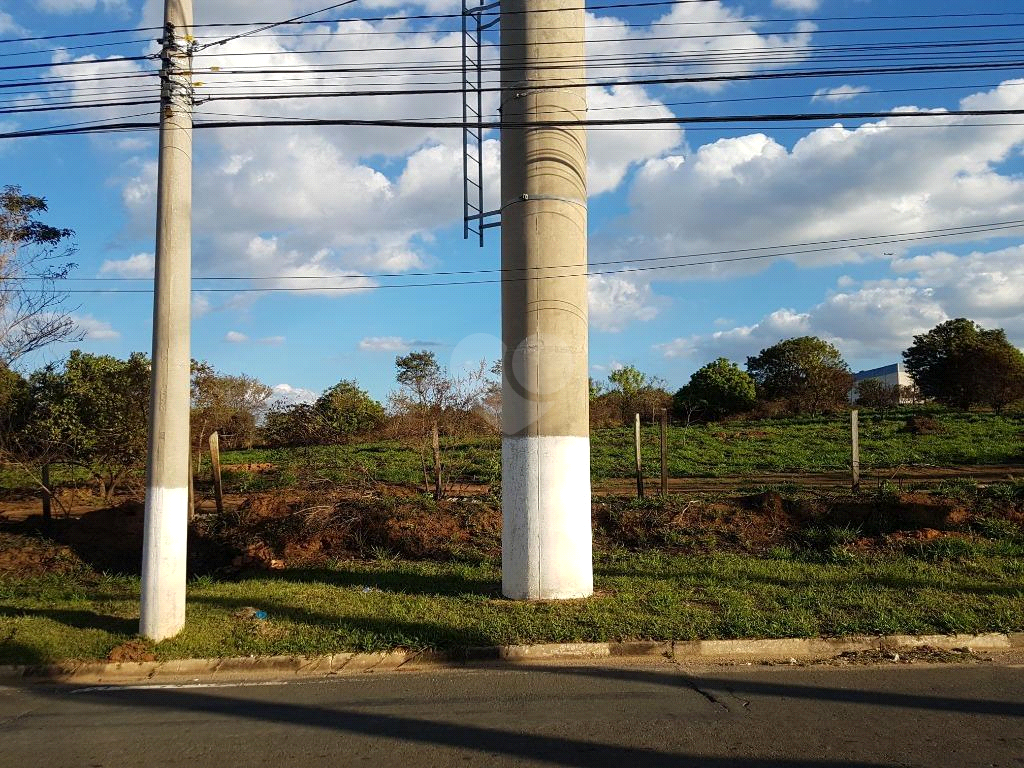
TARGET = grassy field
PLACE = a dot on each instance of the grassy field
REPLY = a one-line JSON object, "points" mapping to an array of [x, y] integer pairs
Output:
{"points": [[370, 606], [713, 450], [735, 449]]}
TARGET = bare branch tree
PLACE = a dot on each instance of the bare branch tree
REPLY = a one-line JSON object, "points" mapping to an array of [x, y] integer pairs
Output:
{"points": [[34, 258]]}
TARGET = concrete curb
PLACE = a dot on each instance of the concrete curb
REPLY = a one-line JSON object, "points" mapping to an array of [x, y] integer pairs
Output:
{"points": [[275, 668]]}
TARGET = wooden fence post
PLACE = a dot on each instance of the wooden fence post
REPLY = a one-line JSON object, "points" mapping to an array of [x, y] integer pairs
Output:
{"points": [[191, 492], [435, 447], [218, 488], [855, 449], [47, 497], [639, 461], [664, 451]]}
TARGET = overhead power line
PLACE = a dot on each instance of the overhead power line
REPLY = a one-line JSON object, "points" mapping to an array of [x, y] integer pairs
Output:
{"points": [[405, 19], [791, 249], [274, 25], [629, 121], [505, 278]]}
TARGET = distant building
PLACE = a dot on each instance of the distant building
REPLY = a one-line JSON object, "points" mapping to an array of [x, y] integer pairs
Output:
{"points": [[894, 375]]}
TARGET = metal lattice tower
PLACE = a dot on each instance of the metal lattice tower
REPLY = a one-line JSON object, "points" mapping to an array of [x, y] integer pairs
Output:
{"points": [[475, 219]]}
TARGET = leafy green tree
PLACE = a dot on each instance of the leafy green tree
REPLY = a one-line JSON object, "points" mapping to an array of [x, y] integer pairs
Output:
{"points": [[718, 389], [874, 393], [229, 405], [93, 412], [960, 364], [633, 391], [807, 373], [34, 257], [14, 399], [346, 410]]}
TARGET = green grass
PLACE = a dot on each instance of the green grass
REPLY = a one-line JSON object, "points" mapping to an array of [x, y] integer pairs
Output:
{"points": [[370, 606], [735, 449], [711, 450]]}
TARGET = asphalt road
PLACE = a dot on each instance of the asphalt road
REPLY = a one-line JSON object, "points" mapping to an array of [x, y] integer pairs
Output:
{"points": [[650, 714]]}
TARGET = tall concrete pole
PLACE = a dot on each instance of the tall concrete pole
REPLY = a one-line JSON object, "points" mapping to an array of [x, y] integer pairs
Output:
{"points": [[166, 527], [546, 537]]}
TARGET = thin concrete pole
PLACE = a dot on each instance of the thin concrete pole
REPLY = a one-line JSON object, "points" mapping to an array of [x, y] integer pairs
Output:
{"points": [[166, 527], [855, 449], [546, 536]]}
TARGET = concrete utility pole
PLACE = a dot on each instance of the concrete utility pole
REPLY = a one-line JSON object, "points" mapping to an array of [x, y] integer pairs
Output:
{"points": [[166, 531], [546, 537]]}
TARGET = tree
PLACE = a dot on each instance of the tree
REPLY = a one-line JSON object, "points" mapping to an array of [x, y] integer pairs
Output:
{"points": [[93, 412], [807, 373], [718, 389], [636, 392], [34, 257], [226, 404], [960, 364], [14, 399], [440, 405], [875, 393], [346, 410]]}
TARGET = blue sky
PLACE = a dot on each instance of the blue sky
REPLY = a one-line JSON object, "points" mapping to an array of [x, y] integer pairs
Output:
{"points": [[328, 202]]}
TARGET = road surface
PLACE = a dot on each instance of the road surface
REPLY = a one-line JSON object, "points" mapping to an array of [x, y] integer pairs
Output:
{"points": [[653, 713]]}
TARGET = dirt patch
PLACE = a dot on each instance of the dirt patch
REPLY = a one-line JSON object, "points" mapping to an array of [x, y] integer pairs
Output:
{"points": [[132, 651], [925, 654], [273, 531], [255, 468], [22, 555]]}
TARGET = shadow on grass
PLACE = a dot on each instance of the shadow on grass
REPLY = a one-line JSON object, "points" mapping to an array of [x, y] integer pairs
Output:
{"points": [[76, 619], [399, 580], [363, 633]]}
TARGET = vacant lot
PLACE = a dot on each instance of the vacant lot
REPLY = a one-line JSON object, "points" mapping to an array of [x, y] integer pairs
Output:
{"points": [[353, 572]]}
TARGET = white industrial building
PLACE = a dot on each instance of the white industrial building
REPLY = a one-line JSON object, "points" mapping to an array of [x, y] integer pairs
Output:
{"points": [[894, 375]]}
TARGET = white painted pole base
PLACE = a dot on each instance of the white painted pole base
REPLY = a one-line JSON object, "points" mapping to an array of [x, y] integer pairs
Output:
{"points": [[546, 550], [163, 563]]}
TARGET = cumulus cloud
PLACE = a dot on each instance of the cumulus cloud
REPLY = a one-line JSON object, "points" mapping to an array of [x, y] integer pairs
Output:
{"points": [[840, 93], [616, 302], [92, 329], [140, 265], [395, 344], [797, 5], [286, 394], [834, 183], [235, 337], [8, 25], [878, 318], [80, 6], [363, 200]]}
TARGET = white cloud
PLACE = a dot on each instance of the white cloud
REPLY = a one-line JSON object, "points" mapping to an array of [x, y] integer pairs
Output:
{"points": [[841, 93], [834, 183], [615, 302], [80, 6], [385, 344], [286, 394], [140, 265], [371, 199], [93, 329], [8, 25], [272, 341], [797, 5], [877, 319], [235, 337]]}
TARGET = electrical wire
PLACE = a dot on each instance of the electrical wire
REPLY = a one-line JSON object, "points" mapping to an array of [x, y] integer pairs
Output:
{"points": [[791, 249]]}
